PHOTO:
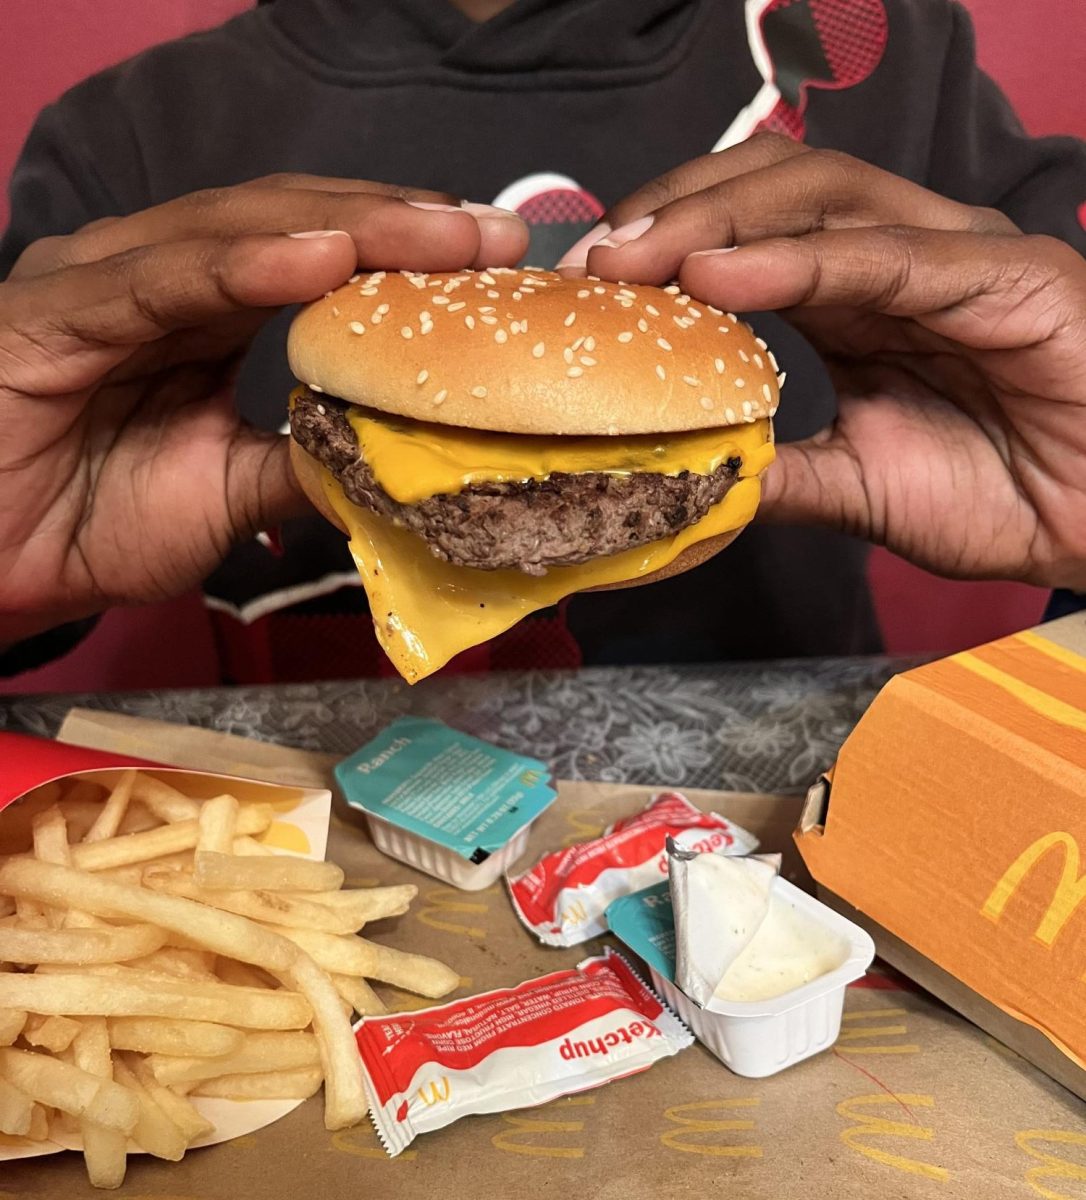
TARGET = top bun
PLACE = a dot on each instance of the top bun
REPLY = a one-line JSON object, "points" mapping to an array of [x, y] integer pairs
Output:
{"points": [[530, 352]]}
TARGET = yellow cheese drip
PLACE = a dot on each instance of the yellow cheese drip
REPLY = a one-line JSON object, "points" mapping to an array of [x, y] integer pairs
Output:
{"points": [[413, 460], [425, 610]]}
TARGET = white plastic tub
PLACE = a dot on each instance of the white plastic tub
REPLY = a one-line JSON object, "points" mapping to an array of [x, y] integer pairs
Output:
{"points": [[761, 1037], [434, 859]]}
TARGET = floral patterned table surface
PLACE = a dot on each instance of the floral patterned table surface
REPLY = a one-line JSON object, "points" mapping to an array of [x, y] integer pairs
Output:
{"points": [[742, 727]]}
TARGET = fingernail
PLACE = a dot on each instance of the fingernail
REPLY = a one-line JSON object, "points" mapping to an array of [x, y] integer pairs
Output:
{"points": [[710, 253], [320, 233], [425, 204], [627, 233], [484, 212], [576, 257]]}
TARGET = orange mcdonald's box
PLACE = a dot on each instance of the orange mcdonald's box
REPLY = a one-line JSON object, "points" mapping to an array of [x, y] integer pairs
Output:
{"points": [[953, 828]]}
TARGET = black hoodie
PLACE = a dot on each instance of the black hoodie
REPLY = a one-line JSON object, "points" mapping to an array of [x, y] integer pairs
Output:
{"points": [[556, 108]]}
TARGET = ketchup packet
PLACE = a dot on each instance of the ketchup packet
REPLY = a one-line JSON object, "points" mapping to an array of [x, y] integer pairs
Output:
{"points": [[564, 897], [512, 1048]]}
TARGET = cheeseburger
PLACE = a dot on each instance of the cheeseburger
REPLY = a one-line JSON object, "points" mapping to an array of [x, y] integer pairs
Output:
{"points": [[494, 441]]}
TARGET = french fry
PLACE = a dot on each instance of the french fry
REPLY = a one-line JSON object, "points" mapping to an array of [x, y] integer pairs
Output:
{"points": [[229, 970], [39, 1123], [136, 994], [154, 1131], [358, 956], [359, 995], [179, 961], [60, 1085], [166, 802], [218, 821], [259, 1052], [273, 873], [259, 906], [156, 1035], [345, 1101], [361, 905], [51, 1033], [15, 1109], [113, 943], [249, 847], [51, 837], [154, 843], [12, 1021], [276, 1085], [105, 1151], [112, 813], [191, 1122], [137, 819], [222, 932]]}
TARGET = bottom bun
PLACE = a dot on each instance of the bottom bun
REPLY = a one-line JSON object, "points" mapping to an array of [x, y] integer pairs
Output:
{"points": [[309, 473]]}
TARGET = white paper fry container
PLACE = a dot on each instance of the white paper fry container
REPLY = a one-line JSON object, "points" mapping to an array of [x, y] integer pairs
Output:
{"points": [[443, 863], [761, 1037]]}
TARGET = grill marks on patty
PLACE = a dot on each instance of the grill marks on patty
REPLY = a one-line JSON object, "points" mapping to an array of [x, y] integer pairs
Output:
{"points": [[558, 521]]}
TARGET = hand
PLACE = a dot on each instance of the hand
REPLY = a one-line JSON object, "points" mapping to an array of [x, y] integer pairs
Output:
{"points": [[957, 345], [125, 473]]}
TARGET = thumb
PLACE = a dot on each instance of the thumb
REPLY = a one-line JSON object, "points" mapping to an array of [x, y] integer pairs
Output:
{"points": [[262, 491], [819, 481]]}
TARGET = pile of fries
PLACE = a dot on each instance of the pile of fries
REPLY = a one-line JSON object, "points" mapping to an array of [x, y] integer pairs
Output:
{"points": [[151, 950]]}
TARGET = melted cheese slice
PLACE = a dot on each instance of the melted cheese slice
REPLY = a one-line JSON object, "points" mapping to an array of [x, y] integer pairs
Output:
{"points": [[425, 610], [413, 460]]}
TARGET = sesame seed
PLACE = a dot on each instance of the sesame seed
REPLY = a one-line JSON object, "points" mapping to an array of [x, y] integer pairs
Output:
{"points": [[772, 360], [321, 409], [590, 344], [487, 309], [439, 397], [663, 343], [368, 291], [422, 377], [487, 278], [672, 290], [781, 378], [692, 381], [354, 279], [723, 329], [376, 319], [489, 320], [315, 387], [643, 325], [570, 319], [748, 408], [625, 337], [592, 278], [425, 329], [406, 332], [577, 344], [479, 392], [457, 306], [694, 312], [434, 283], [356, 327], [469, 321], [758, 362], [424, 317], [732, 317], [622, 302], [628, 293], [451, 286], [706, 402], [744, 356], [383, 308], [517, 295], [417, 281], [493, 294], [538, 350], [661, 372], [761, 344], [335, 311], [600, 291], [567, 354], [652, 310], [575, 372], [729, 414], [442, 300], [587, 361], [500, 336], [715, 311], [502, 271], [527, 291], [479, 287], [719, 364], [584, 293], [681, 322], [740, 383], [684, 300]]}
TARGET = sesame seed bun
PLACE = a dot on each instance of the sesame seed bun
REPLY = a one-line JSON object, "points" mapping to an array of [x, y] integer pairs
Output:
{"points": [[528, 352], [308, 472]]}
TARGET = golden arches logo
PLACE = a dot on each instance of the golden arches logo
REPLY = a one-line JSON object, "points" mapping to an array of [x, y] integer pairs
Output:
{"points": [[437, 1091], [857, 1037], [444, 906], [573, 914], [870, 1125], [584, 824], [710, 1117], [1070, 891], [529, 1135], [1052, 1165]]}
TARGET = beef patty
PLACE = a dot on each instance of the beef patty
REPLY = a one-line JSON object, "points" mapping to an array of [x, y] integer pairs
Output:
{"points": [[530, 526]]}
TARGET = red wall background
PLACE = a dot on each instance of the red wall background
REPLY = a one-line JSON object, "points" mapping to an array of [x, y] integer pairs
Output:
{"points": [[1036, 50]]}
